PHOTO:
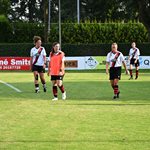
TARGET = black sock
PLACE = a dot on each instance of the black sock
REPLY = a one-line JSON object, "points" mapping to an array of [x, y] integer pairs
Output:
{"points": [[37, 86]]}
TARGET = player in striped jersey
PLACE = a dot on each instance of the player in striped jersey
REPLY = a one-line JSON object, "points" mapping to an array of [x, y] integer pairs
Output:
{"points": [[115, 59], [38, 63], [57, 70], [134, 54]]}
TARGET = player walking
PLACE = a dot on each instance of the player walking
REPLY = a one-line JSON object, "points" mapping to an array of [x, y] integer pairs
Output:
{"points": [[57, 70], [38, 63], [115, 59], [134, 54]]}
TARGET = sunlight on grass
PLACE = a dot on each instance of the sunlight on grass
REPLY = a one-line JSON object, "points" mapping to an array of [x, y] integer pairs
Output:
{"points": [[88, 119]]}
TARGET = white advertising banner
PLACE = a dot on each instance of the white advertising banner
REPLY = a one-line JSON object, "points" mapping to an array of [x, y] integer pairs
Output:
{"points": [[98, 62], [80, 63], [144, 62]]}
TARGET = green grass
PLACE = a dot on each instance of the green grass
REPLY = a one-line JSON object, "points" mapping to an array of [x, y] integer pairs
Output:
{"points": [[88, 120]]}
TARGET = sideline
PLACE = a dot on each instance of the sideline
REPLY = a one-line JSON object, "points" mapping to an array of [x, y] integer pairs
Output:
{"points": [[9, 85]]}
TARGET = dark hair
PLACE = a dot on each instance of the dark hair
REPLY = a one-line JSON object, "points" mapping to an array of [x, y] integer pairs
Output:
{"points": [[133, 42], [55, 43], [36, 38]]}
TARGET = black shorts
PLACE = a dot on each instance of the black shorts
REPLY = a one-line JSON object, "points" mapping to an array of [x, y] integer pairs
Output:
{"points": [[53, 77], [132, 62], [39, 69], [115, 73]]}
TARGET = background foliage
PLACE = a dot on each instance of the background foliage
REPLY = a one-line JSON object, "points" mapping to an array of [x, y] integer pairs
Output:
{"points": [[73, 33]]}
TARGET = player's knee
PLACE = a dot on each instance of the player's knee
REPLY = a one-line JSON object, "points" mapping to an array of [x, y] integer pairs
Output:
{"points": [[43, 80], [36, 77], [59, 84], [54, 84]]}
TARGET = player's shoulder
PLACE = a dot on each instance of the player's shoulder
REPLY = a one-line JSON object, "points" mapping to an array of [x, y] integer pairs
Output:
{"points": [[42, 48], [120, 53], [62, 53], [109, 53], [33, 48]]}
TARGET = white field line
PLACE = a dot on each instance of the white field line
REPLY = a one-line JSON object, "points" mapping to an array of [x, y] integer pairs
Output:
{"points": [[9, 85]]}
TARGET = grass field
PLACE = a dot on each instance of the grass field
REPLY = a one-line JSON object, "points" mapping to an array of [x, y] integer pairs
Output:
{"points": [[88, 120]]}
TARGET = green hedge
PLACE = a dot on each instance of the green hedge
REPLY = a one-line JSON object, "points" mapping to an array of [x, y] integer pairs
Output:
{"points": [[24, 32], [23, 49], [5, 29], [75, 33]]}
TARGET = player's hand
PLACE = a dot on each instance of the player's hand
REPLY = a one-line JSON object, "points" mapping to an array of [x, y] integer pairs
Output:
{"points": [[135, 61], [127, 72], [62, 73], [44, 66], [106, 71], [31, 67]]}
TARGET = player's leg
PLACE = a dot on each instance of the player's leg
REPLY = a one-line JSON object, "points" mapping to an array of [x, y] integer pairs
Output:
{"points": [[62, 88], [131, 74], [54, 89], [43, 81], [36, 83], [116, 88], [137, 69], [112, 83]]}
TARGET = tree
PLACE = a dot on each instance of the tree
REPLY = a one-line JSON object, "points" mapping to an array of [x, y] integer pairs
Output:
{"points": [[113, 10], [144, 13], [4, 7], [99, 10], [27, 10]]}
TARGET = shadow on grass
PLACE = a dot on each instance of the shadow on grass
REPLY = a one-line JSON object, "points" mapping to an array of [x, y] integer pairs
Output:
{"points": [[77, 141], [80, 91]]}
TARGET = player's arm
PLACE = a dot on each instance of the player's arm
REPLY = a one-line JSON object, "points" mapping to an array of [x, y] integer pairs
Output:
{"points": [[63, 65], [129, 55], [125, 67], [44, 57], [136, 59], [31, 60], [123, 62], [107, 63], [137, 55], [49, 67], [107, 66]]}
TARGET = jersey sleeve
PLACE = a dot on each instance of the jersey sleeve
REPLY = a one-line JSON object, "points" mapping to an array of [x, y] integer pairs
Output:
{"points": [[138, 52], [108, 57], [130, 53], [31, 53], [121, 57], [63, 58], [44, 52]]}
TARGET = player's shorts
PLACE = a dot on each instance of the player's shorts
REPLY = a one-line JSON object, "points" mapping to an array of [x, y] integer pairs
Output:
{"points": [[115, 73], [132, 62], [55, 77], [39, 69]]}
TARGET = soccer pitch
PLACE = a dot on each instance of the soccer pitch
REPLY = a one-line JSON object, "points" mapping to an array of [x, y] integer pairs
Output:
{"points": [[88, 120]]}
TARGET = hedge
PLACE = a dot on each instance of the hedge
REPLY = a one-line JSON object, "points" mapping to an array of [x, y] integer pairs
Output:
{"points": [[23, 49], [75, 33], [5, 29]]}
